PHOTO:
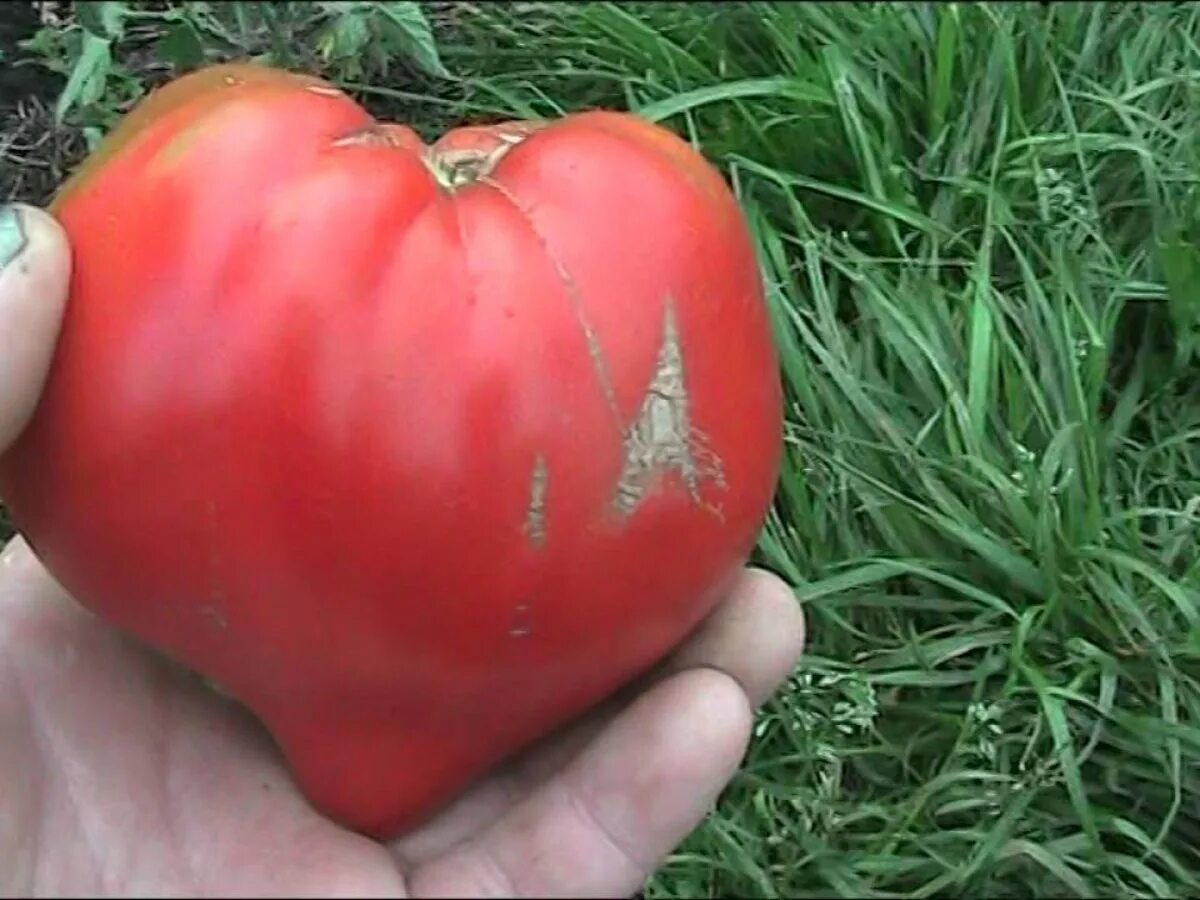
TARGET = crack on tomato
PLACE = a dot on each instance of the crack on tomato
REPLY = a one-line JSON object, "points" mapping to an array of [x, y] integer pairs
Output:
{"points": [[456, 167], [662, 438], [522, 623], [368, 136], [324, 90], [535, 513], [453, 169], [575, 298]]}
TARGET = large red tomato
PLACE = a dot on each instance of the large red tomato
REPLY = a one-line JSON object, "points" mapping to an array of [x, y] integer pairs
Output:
{"points": [[417, 451]]}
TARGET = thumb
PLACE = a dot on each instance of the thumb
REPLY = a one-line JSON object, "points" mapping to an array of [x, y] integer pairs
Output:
{"points": [[35, 270]]}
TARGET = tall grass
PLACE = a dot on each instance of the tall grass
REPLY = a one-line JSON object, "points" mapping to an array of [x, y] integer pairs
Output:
{"points": [[978, 228]]}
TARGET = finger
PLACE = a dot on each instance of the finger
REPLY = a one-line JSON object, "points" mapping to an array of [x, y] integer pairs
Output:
{"points": [[35, 269], [604, 823], [23, 580], [756, 636]]}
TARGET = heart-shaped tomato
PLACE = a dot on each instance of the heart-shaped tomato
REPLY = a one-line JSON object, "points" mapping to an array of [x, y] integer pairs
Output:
{"points": [[417, 451]]}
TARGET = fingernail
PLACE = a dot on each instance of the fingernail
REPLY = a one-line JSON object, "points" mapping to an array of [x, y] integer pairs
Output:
{"points": [[12, 235]]}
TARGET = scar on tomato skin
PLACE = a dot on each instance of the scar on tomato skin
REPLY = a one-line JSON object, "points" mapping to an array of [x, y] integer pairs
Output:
{"points": [[511, 138], [324, 90], [535, 514], [370, 136], [575, 298], [454, 169], [662, 438], [522, 625]]}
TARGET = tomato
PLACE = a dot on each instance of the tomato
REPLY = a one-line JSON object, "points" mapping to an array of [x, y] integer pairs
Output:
{"points": [[417, 451]]}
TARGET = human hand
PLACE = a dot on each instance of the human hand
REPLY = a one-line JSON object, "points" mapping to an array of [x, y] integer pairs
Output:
{"points": [[122, 774]]}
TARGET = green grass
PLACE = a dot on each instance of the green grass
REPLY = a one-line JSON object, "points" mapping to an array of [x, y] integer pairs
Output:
{"points": [[978, 226]]}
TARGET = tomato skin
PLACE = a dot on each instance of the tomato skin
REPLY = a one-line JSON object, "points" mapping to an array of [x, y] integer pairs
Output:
{"points": [[398, 465]]}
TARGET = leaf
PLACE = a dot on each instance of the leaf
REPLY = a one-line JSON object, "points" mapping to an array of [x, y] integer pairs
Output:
{"points": [[87, 81], [93, 136], [407, 25], [1180, 261], [181, 46], [947, 52], [345, 38], [47, 45], [103, 19], [791, 88]]}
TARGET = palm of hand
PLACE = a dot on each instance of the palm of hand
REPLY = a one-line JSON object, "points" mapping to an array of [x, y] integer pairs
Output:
{"points": [[144, 782]]}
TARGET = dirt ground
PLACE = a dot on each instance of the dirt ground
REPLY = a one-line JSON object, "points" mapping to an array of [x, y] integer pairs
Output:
{"points": [[35, 153]]}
